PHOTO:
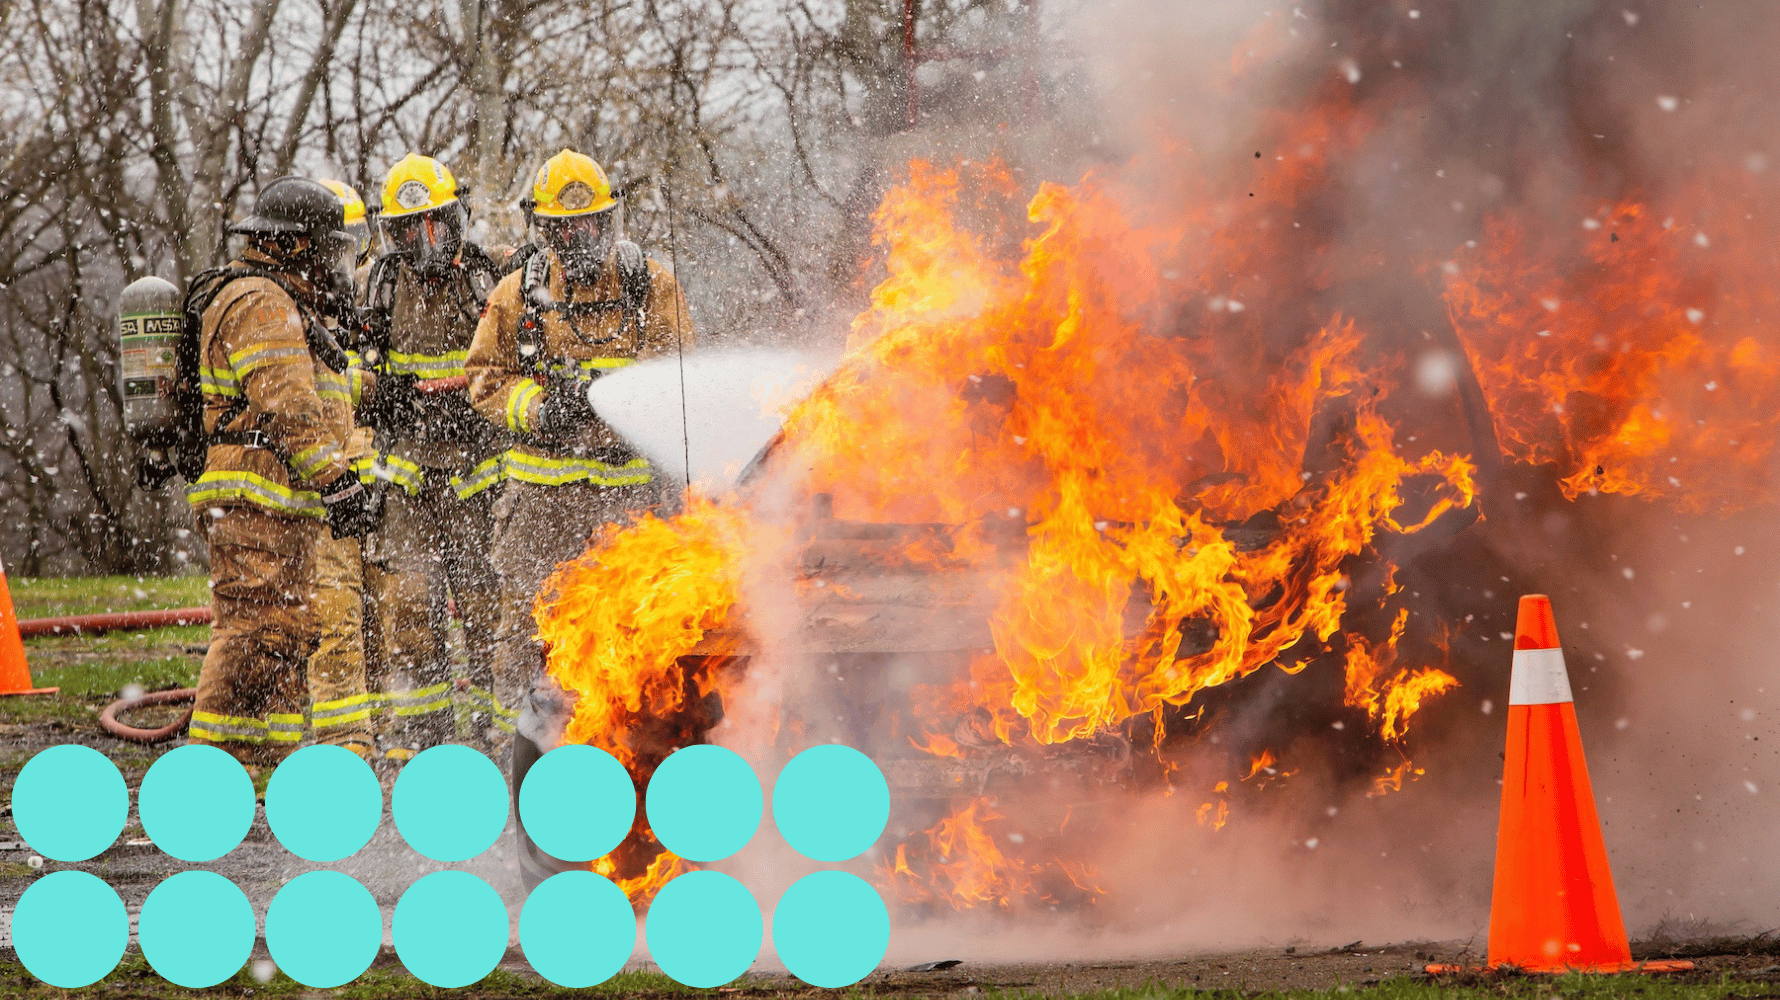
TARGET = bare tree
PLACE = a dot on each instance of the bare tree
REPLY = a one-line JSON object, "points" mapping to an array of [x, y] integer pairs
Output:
{"points": [[751, 139]]}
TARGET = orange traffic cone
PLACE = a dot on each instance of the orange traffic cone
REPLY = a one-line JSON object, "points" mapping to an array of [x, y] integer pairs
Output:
{"points": [[15, 676], [1554, 908]]}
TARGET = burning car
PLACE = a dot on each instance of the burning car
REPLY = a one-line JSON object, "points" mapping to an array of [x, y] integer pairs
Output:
{"points": [[1040, 509]]}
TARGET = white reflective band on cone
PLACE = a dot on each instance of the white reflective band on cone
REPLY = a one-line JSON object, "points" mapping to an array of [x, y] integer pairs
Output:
{"points": [[1539, 678]]}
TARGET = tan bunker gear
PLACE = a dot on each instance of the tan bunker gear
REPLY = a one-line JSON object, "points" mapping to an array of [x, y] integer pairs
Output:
{"points": [[258, 503], [439, 467], [560, 489]]}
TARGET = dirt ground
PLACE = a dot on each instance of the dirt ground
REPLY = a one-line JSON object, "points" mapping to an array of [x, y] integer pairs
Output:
{"points": [[93, 671], [260, 866], [1751, 973]]}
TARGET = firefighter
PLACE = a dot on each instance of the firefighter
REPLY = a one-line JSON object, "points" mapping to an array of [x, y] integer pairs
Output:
{"points": [[341, 708], [437, 465], [583, 304], [275, 475]]}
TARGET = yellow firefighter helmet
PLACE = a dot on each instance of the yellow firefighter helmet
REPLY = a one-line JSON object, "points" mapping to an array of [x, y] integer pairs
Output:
{"points": [[417, 184], [570, 183], [357, 226], [355, 206]]}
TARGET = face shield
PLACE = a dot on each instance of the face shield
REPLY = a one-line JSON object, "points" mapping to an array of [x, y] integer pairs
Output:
{"points": [[582, 241], [360, 232], [430, 240], [333, 257]]}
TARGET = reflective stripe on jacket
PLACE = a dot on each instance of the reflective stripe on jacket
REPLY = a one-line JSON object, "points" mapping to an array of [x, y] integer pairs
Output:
{"points": [[508, 393], [253, 348]]}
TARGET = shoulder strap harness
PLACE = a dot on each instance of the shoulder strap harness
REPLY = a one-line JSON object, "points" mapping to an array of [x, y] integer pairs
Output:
{"points": [[188, 384], [634, 283]]}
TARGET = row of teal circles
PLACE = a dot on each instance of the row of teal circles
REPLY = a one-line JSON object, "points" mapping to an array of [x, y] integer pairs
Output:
{"points": [[450, 803], [450, 929]]}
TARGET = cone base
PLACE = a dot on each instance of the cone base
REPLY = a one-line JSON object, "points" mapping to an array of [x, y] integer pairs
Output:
{"points": [[31, 691], [1648, 968]]}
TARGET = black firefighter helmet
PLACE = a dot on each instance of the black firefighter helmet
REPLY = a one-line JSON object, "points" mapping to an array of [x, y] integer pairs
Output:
{"points": [[294, 207]]}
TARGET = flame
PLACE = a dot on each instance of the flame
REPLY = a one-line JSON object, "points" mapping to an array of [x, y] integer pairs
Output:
{"points": [[960, 862], [1393, 778], [1085, 394], [619, 625], [1625, 352], [1215, 814], [619, 621], [1390, 701], [1064, 395], [640, 889], [1263, 762]]}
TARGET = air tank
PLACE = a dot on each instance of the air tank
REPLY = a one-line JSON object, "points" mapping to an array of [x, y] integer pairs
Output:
{"points": [[149, 322]]}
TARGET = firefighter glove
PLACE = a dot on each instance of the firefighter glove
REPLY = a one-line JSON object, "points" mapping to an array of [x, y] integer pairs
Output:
{"points": [[565, 412], [349, 506], [396, 403]]}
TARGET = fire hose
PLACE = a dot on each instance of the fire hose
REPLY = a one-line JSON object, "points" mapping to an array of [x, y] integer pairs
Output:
{"points": [[108, 719], [31, 628]]}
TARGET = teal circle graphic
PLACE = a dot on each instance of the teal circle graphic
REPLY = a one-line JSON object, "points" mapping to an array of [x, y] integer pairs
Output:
{"points": [[323, 928], [831, 929], [703, 929], [703, 803], [196, 927], [450, 928], [831, 803], [196, 803], [69, 928], [577, 929], [323, 803], [69, 803], [450, 802], [577, 802]]}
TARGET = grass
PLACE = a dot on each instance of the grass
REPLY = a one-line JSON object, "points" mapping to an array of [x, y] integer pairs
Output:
{"points": [[388, 981], [93, 670], [45, 597], [101, 676], [134, 978], [1571, 987]]}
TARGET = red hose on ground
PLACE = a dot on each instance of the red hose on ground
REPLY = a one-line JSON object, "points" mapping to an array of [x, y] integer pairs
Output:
{"points": [[108, 718], [112, 621]]}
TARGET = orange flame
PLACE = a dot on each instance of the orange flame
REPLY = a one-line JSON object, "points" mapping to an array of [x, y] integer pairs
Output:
{"points": [[1215, 814], [1393, 778], [1070, 395], [1624, 351], [1390, 701], [619, 625], [958, 861], [642, 888], [1264, 762], [619, 620]]}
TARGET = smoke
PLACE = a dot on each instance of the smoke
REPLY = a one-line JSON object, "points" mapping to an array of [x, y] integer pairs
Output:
{"points": [[1542, 113], [1424, 123]]}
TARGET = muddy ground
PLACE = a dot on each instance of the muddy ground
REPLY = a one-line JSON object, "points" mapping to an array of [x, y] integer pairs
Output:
{"points": [[1744, 968], [260, 866], [92, 671]]}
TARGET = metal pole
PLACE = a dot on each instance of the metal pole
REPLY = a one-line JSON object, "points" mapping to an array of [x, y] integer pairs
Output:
{"points": [[910, 61]]}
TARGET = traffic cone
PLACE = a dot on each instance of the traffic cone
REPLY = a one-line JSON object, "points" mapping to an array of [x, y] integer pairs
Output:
{"points": [[15, 676], [1553, 908]]}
